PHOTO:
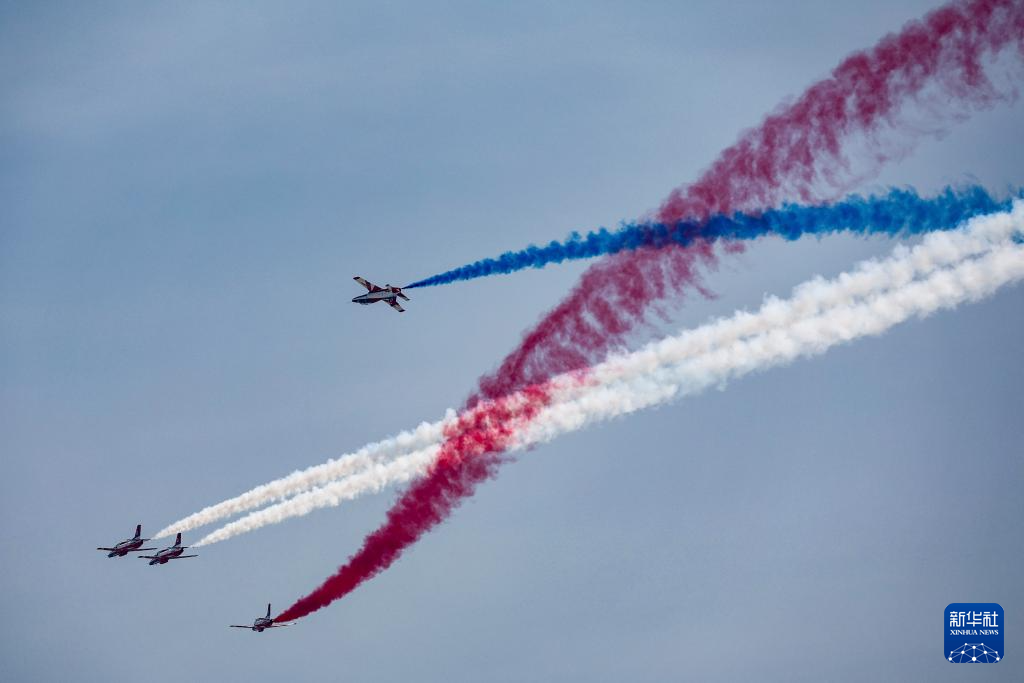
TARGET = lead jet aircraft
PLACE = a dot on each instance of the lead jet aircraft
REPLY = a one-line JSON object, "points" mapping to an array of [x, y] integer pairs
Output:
{"points": [[261, 623], [129, 545], [375, 294], [172, 553]]}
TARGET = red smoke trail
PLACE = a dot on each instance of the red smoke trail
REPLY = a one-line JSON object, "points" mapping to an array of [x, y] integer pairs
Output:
{"points": [[471, 453], [796, 152]]}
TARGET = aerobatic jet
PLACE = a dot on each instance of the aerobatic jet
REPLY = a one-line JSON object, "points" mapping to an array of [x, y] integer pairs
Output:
{"points": [[375, 294], [129, 545], [261, 623], [172, 553]]}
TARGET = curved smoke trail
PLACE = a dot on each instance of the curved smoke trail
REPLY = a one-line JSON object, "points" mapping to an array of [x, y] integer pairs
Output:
{"points": [[800, 152], [637, 379], [890, 295]]}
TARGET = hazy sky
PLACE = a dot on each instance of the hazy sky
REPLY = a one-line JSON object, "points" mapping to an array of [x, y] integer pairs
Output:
{"points": [[188, 190]]}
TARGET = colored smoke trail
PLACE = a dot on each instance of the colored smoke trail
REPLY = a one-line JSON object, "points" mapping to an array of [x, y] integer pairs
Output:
{"points": [[669, 368], [800, 152], [470, 455], [900, 212]]}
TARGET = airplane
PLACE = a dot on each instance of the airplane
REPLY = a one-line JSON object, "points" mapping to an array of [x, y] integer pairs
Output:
{"points": [[172, 553], [375, 294], [261, 623], [129, 545]]}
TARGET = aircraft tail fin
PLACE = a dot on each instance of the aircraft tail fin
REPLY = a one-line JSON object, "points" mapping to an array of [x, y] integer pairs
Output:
{"points": [[268, 610], [177, 539], [138, 530]]}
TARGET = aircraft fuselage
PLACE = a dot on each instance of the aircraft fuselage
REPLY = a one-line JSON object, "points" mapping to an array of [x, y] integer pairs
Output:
{"points": [[125, 547], [128, 545], [166, 554], [374, 297]]}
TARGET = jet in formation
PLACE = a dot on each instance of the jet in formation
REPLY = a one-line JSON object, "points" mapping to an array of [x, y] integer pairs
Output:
{"points": [[172, 553], [261, 623], [375, 294], [129, 545]]}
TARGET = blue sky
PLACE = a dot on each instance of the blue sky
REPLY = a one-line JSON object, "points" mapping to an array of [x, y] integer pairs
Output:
{"points": [[188, 191]]}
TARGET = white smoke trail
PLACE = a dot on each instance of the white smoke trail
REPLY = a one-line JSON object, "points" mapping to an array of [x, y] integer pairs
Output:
{"points": [[982, 235], [969, 281], [945, 270], [363, 461]]}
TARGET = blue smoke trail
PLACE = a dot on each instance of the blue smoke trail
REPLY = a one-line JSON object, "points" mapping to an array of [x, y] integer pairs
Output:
{"points": [[897, 213]]}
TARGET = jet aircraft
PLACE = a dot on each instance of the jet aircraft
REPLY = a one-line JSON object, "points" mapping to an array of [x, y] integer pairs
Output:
{"points": [[261, 623], [375, 294], [129, 545], [172, 553]]}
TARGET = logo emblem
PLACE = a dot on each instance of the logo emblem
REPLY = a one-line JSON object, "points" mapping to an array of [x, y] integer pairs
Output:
{"points": [[974, 632]]}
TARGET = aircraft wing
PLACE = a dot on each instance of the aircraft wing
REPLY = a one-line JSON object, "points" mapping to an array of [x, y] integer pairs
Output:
{"points": [[279, 625], [395, 305], [181, 557], [237, 626], [139, 550], [402, 295], [113, 548], [370, 287], [146, 557]]}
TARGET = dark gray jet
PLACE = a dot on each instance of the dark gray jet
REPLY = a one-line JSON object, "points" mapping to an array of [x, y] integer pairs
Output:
{"points": [[129, 545], [172, 553], [375, 294], [261, 623]]}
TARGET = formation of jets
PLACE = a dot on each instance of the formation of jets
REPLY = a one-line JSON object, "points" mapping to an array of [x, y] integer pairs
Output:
{"points": [[128, 545], [134, 545], [174, 552], [388, 294]]}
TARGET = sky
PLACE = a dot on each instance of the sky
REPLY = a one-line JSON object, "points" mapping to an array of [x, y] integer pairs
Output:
{"points": [[189, 189]]}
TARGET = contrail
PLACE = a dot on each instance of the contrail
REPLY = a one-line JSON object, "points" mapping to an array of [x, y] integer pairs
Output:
{"points": [[900, 212], [657, 374], [361, 461], [639, 379]]}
